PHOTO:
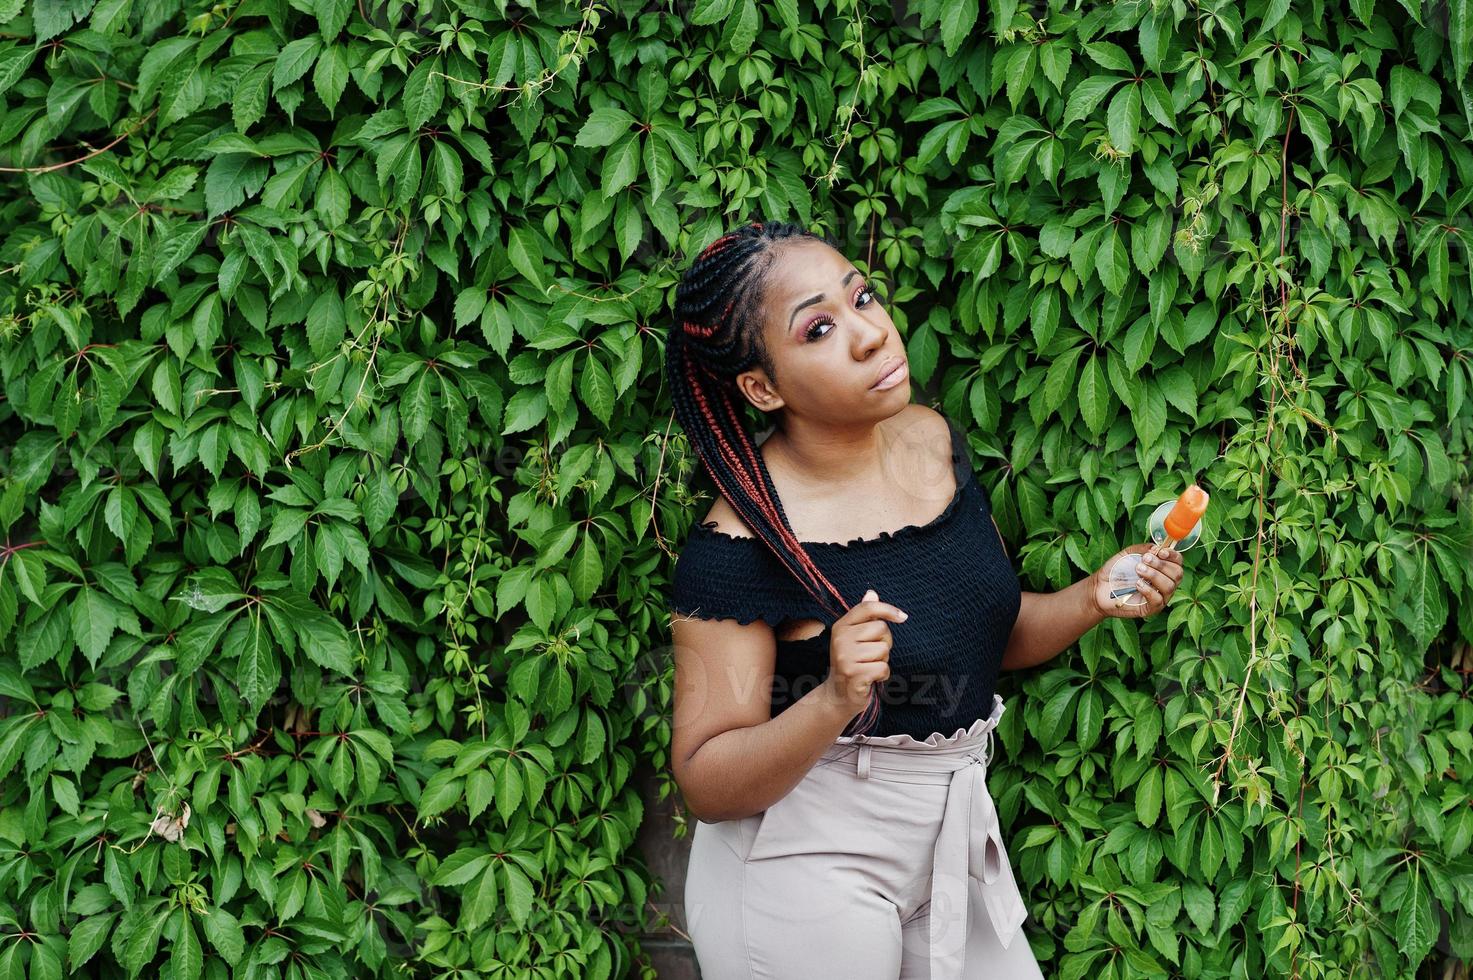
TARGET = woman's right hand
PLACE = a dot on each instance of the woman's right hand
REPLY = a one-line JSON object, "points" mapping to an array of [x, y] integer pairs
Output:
{"points": [[859, 650]]}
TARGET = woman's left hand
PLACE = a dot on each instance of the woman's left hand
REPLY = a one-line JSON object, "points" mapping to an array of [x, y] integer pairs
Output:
{"points": [[1159, 577]]}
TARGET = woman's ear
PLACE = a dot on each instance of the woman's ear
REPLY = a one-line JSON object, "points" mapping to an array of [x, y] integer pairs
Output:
{"points": [[757, 388]]}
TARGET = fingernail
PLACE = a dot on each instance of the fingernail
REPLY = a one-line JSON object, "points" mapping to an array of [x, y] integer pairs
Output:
{"points": [[904, 616]]}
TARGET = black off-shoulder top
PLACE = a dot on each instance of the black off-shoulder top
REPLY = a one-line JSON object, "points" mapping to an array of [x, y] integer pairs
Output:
{"points": [[951, 575]]}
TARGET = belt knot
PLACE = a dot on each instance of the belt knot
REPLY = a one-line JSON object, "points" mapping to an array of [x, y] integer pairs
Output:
{"points": [[970, 849]]}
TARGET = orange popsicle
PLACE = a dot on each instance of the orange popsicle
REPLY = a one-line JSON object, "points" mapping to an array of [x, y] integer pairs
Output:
{"points": [[1185, 513]]}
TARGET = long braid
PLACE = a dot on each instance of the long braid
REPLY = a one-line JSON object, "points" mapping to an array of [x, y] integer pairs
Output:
{"points": [[717, 336]]}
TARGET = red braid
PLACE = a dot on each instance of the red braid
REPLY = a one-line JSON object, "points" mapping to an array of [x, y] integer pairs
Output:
{"points": [[782, 528]]}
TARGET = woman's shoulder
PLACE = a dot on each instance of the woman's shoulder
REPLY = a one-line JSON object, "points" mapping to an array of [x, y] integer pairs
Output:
{"points": [[722, 517], [922, 425], [934, 428]]}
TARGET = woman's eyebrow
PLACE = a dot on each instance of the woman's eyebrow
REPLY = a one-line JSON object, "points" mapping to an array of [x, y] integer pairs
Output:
{"points": [[818, 299]]}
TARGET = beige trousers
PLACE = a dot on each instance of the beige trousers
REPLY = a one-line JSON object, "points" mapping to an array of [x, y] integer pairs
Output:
{"points": [[886, 861]]}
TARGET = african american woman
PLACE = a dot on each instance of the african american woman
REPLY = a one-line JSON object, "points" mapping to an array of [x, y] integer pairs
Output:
{"points": [[840, 620]]}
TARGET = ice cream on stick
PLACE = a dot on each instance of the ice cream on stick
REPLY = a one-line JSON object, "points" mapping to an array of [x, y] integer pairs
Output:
{"points": [[1189, 508], [1177, 526]]}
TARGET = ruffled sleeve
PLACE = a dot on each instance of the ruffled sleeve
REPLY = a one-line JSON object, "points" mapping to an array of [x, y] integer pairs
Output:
{"points": [[722, 576]]}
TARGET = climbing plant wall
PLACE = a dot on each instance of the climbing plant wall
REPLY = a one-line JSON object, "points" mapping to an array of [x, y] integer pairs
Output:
{"points": [[340, 493]]}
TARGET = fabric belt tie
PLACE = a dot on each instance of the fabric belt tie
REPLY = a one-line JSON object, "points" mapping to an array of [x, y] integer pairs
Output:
{"points": [[969, 846]]}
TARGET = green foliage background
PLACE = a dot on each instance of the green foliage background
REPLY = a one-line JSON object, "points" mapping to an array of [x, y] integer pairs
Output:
{"points": [[341, 491]]}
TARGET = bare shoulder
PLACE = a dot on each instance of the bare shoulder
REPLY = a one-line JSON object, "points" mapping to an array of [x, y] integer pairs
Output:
{"points": [[728, 521], [924, 430], [925, 421]]}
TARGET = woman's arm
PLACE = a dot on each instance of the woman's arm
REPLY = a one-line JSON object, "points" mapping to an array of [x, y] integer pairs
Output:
{"points": [[731, 758], [1048, 623]]}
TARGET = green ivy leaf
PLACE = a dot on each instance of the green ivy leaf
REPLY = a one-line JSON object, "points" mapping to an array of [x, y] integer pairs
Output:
{"points": [[424, 93], [196, 641], [1177, 386], [620, 166], [1046, 313], [923, 352], [1058, 383], [711, 11], [526, 408], [157, 62], [587, 572], [1211, 852], [604, 126], [379, 500], [223, 931], [121, 512], [479, 790], [15, 59], [416, 407], [325, 641], [742, 30], [1087, 95], [1094, 396], [441, 792], [596, 389], [175, 250], [1111, 263], [293, 62], [1149, 415], [957, 21], [142, 938], [332, 15], [86, 938], [286, 524], [29, 573], [326, 323], [64, 792], [330, 77], [1109, 55], [1416, 925], [461, 867], [187, 958], [1124, 117], [1148, 796], [94, 619], [257, 671], [249, 104], [519, 893]]}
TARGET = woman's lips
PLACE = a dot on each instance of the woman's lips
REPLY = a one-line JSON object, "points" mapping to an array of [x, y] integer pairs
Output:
{"points": [[901, 372]]}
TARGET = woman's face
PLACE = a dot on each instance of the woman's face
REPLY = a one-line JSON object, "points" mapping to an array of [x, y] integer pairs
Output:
{"points": [[829, 340]]}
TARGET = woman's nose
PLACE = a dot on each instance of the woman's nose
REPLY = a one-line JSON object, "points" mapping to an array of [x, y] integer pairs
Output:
{"points": [[870, 336]]}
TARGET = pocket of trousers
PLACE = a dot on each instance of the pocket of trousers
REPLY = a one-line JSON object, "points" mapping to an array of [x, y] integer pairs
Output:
{"points": [[786, 827]]}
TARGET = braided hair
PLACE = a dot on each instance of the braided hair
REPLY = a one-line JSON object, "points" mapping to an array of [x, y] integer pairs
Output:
{"points": [[717, 336]]}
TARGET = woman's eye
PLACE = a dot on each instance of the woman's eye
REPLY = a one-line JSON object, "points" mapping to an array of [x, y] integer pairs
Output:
{"points": [[811, 335], [865, 290]]}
